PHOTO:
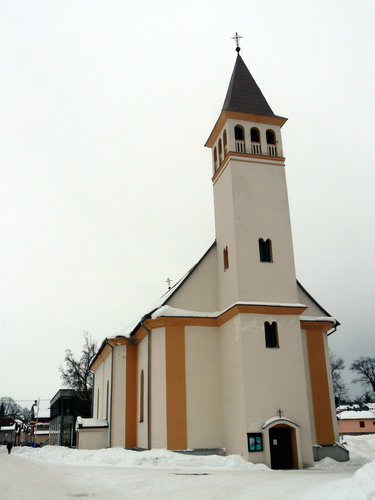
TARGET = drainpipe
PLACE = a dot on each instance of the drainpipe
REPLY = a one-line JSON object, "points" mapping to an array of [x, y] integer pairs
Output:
{"points": [[110, 401], [148, 381]]}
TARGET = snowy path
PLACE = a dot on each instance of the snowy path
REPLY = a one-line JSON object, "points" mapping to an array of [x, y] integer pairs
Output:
{"points": [[22, 476]]}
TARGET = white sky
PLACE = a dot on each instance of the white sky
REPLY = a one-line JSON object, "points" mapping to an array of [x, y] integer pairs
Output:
{"points": [[106, 185]]}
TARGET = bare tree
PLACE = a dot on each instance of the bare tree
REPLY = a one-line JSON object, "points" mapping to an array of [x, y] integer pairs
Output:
{"points": [[26, 415], [10, 408], [364, 367], [340, 389], [77, 374]]}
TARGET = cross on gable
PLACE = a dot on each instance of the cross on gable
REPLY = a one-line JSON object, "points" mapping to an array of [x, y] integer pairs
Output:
{"points": [[279, 412]]}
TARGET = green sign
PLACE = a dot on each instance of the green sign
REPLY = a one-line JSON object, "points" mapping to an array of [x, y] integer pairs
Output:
{"points": [[255, 441]]}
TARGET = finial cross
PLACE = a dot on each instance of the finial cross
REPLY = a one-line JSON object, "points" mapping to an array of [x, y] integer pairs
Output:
{"points": [[169, 281], [279, 412], [237, 38]]}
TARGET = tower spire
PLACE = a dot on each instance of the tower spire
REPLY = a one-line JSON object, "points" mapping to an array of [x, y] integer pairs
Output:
{"points": [[237, 38]]}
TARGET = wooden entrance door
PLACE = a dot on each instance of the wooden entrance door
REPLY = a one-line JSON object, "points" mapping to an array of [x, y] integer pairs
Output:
{"points": [[281, 448]]}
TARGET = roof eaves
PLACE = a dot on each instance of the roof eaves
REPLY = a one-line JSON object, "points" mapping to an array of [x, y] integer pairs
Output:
{"points": [[173, 290], [317, 303], [167, 295]]}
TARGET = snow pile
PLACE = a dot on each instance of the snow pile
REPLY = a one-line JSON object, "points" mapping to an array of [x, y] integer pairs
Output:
{"points": [[120, 457], [161, 475], [356, 414], [361, 448], [359, 487], [326, 463]]}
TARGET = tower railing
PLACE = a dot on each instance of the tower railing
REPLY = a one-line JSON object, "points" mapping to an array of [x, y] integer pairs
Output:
{"points": [[255, 148], [271, 150], [240, 146]]}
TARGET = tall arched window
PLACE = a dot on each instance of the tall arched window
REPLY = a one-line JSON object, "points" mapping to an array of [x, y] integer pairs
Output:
{"points": [[255, 141], [225, 143], [220, 152], [142, 397], [271, 143], [239, 136], [226, 259], [97, 405], [265, 250], [215, 158], [107, 403]]}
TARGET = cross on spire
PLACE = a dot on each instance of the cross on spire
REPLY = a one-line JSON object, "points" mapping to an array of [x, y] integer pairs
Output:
{"points": [[237, 38], [169, 281]]}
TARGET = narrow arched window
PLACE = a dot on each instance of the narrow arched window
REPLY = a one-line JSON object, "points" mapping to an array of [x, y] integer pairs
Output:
{"points": [[239, 137], [271, 143], [220, 152], [215, 158], [255, 141], [225, 143], [97, 405], [271, 334], [142, 397], [107, 403], [265, 250], [226, 259]]}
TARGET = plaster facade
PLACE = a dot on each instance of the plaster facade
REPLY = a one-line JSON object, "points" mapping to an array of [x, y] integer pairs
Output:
{"points": [[199, 371]]}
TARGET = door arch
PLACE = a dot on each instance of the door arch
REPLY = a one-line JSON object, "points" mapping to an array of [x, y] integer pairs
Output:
{"points": [[281, 448], [284, 447]]}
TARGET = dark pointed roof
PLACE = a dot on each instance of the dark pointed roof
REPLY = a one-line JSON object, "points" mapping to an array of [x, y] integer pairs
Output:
{"points": [[243, 94]]}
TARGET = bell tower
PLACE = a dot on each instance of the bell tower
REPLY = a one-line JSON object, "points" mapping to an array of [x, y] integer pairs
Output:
{"points": [[252, 222]]}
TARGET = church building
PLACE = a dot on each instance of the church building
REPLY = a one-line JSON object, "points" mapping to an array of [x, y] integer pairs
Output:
{"points": [[234, 358]]}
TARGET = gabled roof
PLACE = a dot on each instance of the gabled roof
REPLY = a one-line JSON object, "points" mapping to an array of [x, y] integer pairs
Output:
{"points": [[129, 330], [243, 93], [337, 323], [159, 309]]}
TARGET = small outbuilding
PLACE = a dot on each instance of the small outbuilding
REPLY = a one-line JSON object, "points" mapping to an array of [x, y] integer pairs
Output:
{"points": [[357, 420], [66, 406], [91, 433]]}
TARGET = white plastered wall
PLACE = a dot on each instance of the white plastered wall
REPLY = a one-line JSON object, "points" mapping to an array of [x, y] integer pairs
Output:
{"points": [[274, 378], [251, 202], [261, 210], [158, 390], [92, 439], [98, 385], [312, 308], [203, 388], [102, 375], [232, 388], [199, 291], [225, 237], [118, 396]]}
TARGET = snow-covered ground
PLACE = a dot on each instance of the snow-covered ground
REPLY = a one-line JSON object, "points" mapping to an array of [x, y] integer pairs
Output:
{"points": [[57, 473]]}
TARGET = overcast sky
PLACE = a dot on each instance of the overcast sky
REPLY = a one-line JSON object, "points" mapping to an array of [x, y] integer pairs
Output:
{"points": [[106, 184]]}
